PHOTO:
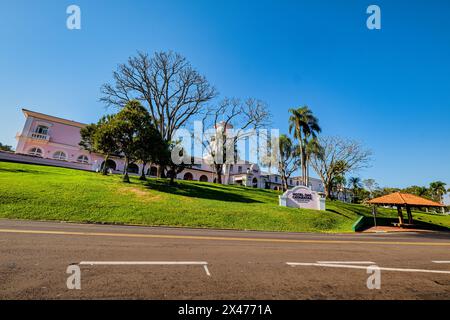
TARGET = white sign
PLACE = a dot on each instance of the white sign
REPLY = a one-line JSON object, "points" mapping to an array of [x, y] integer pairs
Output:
{"points": [[302, 197]]}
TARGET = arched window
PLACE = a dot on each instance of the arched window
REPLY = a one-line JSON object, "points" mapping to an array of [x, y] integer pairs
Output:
{"points": [[153, 171], [255, 183], [59, 155], [37, 152], [188, 176], [133, 168], [83, 159], [204, 178], [110, 164]]}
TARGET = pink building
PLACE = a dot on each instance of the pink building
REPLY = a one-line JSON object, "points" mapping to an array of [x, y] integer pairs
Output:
{"points": [[49, 137], [55, 141], [51, 140]]}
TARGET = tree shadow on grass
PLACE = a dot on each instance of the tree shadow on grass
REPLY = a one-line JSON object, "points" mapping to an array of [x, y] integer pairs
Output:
{"points": [[11, 170], [203, 191], [339, 213]]}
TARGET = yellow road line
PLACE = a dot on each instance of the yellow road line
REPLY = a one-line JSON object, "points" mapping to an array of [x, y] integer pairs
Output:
{"points": [[157, 236]]}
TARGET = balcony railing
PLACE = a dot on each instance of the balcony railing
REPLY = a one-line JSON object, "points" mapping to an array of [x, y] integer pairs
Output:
{"points": [[40, 136]]}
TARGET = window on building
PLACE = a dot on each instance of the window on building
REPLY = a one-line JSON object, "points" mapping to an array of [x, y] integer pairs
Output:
{"points": [[59, 155], [239, 169], [35, 152], [42, 129], [276, 179], [133, 168], [188, 176], [83, 159]]}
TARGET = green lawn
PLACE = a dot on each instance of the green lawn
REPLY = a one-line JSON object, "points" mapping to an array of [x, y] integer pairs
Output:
{"points": [[48, 193]]}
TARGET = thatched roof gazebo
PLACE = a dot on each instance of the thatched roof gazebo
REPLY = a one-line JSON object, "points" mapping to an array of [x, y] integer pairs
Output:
{"points": [[406, 200]]}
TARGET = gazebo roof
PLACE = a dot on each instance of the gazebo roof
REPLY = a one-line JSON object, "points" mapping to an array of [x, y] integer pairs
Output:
{"points": [[404, 199]]}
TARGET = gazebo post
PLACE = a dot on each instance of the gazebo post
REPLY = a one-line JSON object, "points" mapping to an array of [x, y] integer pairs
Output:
{"points": [[410, 218], [400, 215]]}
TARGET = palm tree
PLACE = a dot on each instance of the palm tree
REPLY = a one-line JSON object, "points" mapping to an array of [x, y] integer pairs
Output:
{"points": [[339, 185], [305, 126], [355, 184], [422, 191], [438, 190], [313, 147]]}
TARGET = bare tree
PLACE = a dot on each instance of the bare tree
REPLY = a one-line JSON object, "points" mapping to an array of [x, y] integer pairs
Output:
{"points": [[338, 157], [371, 185], [166, 84], [229, 122]]}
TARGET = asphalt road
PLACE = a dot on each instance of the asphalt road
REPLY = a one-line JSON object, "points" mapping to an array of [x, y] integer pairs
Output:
{"points": [[127, 262]]}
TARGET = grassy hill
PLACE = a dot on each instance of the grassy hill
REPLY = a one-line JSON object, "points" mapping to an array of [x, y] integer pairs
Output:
{"points": [[48, 193]]}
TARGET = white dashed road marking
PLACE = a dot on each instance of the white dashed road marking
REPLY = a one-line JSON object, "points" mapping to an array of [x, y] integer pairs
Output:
{"points": [[346, 262], [331, 265], [147, 263]]}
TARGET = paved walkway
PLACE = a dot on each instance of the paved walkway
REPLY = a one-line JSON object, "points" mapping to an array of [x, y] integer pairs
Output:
{"points": [[393, 229]]}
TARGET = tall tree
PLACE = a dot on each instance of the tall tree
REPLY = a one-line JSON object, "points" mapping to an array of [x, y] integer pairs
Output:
{"points": [[149, 147], [371, 185], [166, 84], [438, 190], [355, 184], [313, 148], [338, 157], [224, 125], [100, 138], [288, 159], [338, 187], [130, 125], [305, 126]]}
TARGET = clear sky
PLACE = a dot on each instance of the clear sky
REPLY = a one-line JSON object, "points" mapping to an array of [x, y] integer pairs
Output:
{"points": [[388, 88]]}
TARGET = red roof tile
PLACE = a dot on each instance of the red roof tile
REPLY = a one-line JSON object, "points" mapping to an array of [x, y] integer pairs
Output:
{"points": [[399, 198]]}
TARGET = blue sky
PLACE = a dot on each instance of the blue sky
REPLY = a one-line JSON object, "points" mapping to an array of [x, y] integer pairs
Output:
{"points": [[389, 89]]}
